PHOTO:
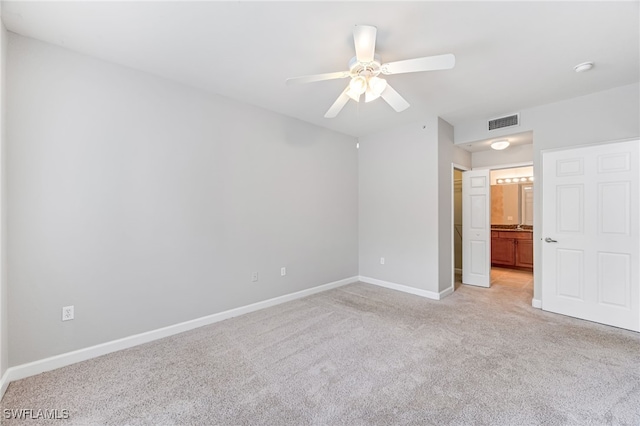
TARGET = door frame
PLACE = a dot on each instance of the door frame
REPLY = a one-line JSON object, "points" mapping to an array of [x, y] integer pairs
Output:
{"points": [[454, 166], [535, 200]]}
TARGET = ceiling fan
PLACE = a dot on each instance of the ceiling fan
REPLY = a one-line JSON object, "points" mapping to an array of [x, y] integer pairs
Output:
{"points": [[365, 69]]}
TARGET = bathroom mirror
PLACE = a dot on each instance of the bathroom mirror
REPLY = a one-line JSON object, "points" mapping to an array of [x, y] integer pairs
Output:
{"points": [[512, 204]]}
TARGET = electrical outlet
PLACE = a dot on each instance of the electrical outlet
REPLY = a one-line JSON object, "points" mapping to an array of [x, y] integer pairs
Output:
{"points": [[67, 313], [283, 271], [382, 260], [254, 277]]}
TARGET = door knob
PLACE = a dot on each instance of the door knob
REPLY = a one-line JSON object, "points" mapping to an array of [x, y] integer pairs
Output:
{"points": [[550, 240]]}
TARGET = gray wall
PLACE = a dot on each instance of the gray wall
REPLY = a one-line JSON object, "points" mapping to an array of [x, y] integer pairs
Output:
{"points": [[462, 157], [145, 203], [398, 175], [406, 186], [4, 312], [600, 117]]}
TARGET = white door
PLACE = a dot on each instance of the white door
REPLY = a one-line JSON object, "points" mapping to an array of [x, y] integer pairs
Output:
{"points": [[591, 233], [476, 228]]}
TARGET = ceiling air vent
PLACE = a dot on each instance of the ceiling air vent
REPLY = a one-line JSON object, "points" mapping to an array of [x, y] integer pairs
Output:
{"points": [[502, 122]]}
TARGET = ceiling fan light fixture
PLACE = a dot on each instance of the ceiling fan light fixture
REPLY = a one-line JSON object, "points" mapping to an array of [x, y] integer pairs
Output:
{"points": [[369, 95], [357, 86], [500, 145], [376, 86], [364, 37], [353, 95]]}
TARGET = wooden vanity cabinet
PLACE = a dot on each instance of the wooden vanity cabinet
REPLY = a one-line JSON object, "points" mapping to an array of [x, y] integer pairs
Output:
{"points": [[512, 249], [502, 250], [524, 253]]}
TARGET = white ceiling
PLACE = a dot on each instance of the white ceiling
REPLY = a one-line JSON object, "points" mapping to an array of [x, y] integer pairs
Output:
{"points": [[509, 55]]}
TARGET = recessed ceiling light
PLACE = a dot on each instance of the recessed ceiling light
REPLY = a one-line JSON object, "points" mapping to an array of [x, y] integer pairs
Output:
{"points": [[498, 145], [585, 66]]}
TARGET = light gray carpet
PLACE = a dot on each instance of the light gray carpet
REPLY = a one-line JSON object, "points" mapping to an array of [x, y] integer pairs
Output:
{"points": [[361, 355]]}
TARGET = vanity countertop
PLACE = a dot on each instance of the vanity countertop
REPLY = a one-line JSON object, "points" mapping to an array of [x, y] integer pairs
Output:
{"points": [[512, 228]]}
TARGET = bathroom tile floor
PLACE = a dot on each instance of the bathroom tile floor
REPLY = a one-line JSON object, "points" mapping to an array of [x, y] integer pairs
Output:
{"points": [[512, 279]]}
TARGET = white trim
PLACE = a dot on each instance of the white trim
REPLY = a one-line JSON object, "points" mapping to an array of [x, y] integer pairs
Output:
{"points": [[536, 303], [407, 289], [36, 367], [459, 167], [458, 270], [4, 383], [446, 292]]}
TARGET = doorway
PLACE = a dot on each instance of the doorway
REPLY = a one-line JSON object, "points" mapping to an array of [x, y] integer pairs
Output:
{"points": [[456, 220], [512, 227], [505, 253]]}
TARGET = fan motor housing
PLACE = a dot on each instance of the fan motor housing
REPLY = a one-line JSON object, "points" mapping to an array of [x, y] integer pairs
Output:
{"points": [[365, 69]]}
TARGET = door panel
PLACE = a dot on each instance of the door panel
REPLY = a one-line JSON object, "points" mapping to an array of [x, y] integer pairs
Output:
{"points": [[502, 251], [614, 283], [524, 253], [591, 233], [613, 207], [570, 208], [478, 219], [570, 279], [476, 228]]}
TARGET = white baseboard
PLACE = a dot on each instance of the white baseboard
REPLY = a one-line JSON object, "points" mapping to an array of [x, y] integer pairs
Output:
{"points": [[536, 303], [458, 270], [406, 289], [36, 367], [4, 383], [446, 292]]}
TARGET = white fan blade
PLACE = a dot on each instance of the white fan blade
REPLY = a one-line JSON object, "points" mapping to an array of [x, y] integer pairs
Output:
{"points": [[317, 77], [364, 37], [394, 99], [429, 63], [338, 104]]}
